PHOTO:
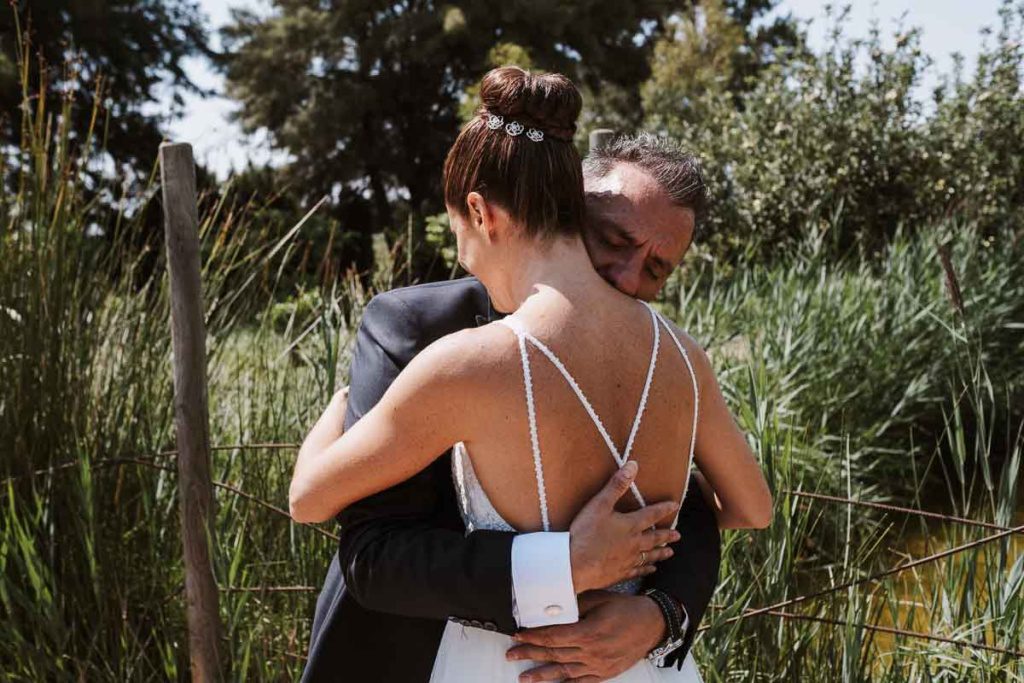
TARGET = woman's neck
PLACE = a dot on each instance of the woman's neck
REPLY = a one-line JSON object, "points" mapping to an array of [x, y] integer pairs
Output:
{"points": [[561, 265]]}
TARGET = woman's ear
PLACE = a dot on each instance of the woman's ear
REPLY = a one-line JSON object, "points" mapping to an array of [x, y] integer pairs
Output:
{"points": [[481, 215]]}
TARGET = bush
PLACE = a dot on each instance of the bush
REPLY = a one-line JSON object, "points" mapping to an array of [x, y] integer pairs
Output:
{"points": [[837, 144]]}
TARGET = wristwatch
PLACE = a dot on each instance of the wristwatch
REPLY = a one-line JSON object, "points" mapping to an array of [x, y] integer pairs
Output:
{"points": [[672, 611]]}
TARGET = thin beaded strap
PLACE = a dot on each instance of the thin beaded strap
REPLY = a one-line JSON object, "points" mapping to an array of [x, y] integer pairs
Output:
{"points": [[538, 466], [696, 406], [647, 385], [579, 394], [620, 458], [522, 335]]}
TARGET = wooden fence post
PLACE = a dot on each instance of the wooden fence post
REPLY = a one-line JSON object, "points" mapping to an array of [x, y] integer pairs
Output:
{"points": [[599, 137], [191, 416]]}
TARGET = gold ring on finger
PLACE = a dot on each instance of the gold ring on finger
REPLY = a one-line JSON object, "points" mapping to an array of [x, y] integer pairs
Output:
{"points": [[643, 558]]}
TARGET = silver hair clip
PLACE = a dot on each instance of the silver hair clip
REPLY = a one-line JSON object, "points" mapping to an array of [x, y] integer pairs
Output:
{"points": [[513, 128]]}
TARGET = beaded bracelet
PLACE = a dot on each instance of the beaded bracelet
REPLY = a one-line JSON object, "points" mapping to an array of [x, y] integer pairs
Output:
{"points": [[671, 611]]}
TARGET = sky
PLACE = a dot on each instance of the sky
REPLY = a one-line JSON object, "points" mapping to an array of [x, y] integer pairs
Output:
{"points": [[948, 26]]}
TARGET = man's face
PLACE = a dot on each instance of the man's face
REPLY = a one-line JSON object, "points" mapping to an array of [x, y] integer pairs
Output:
{"points": [[634, 234]]}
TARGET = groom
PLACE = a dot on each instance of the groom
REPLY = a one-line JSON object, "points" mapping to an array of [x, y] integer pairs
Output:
{"points": [[405, 564]]}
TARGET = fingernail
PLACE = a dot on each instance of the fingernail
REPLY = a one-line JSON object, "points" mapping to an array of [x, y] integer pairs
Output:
{"points": [[676, 536], [629, 469]]}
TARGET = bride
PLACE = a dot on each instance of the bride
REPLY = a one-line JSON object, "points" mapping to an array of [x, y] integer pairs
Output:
{"points": [[543, 405]]}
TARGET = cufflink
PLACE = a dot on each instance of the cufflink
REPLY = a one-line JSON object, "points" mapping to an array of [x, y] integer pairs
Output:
{"points": [[553, 610]]}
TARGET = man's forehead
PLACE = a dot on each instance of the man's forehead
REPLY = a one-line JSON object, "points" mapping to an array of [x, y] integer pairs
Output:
{"points": [[627, 180]]}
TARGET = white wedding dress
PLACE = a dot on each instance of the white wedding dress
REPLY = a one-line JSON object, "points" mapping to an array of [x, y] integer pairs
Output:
{"points": [[468, 654]]}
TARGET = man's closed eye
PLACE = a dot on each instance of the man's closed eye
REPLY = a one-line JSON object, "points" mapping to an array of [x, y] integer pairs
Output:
{"points": [[614, 242]]}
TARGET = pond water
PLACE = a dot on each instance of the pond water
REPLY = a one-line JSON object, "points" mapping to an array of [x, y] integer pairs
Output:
{"points": [[919, 593]]}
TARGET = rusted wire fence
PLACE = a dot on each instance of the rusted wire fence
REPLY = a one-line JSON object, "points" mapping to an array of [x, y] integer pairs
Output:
{"points": [[934, 557], [774, 610], [890, 630]]}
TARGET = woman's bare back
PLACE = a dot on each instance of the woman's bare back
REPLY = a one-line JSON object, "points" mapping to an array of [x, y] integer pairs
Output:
{"points": [[609, 358]]}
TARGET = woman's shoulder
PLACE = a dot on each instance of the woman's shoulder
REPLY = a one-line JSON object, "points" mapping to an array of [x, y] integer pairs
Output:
{"points": [[473, 357], [695, 352]]}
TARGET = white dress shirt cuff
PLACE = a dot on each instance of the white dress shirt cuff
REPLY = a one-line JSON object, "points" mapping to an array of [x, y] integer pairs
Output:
{"points": [[542, 588]]}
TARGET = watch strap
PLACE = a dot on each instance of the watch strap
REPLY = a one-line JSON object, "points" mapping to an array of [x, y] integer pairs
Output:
{"points": [[672, 612]]}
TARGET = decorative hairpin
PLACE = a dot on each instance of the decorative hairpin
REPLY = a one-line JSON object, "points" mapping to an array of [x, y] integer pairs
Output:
{"points": [[513, 128]]}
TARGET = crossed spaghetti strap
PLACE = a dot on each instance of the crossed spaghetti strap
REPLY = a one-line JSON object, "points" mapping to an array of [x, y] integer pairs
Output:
{"points": [[523, 336]]}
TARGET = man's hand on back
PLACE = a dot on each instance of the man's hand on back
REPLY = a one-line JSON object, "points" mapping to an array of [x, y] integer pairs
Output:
{"points": [[606, 546], [614, 632]]}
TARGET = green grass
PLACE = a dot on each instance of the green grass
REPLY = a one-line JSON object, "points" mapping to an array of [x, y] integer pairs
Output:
{"points": [[855, 378]]}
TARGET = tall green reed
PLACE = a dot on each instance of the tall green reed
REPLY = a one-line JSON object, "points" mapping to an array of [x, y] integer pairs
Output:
{"points": [[89, 548], [875, 385]]}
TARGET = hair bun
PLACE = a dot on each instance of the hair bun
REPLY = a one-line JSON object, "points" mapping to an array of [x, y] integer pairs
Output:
{"points": [[549, 102]]}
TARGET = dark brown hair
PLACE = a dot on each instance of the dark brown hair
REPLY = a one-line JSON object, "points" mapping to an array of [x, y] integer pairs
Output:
{"points": [[677, 171], [540, 184]]}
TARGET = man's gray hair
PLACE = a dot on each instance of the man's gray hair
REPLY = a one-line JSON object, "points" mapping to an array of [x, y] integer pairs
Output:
{"points": [[676, 170]]}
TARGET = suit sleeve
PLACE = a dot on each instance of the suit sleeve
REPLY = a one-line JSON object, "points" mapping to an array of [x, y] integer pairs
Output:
{"points": [[691, 574], [399, 552]]}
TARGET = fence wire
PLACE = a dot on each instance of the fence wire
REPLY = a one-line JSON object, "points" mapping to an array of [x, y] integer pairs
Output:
{"points": [[921, 635], [775, 610]]}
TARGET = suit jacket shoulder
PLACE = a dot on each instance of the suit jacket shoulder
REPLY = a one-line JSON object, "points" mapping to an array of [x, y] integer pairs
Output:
{"points": [[426, 312]]}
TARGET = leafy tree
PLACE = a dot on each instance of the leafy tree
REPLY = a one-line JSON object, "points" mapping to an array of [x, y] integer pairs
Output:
{"points": [[976, 136], [836, 147], [718, 46], [366, 94], [817, 143], [130, 48]]}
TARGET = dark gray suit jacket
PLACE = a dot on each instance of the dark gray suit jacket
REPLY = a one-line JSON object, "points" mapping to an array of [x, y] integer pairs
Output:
{"points": [[404, 563]]}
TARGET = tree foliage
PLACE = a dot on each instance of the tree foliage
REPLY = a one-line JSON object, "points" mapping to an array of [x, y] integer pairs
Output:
{"points": [[116, 56], [841, 144], [366, 94], [716, 47]]}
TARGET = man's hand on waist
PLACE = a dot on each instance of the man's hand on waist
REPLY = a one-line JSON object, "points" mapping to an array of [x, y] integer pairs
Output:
{"points": [[615, 631]]}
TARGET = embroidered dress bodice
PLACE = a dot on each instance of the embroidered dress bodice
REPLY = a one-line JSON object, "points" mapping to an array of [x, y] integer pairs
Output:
{"points": [[478, 512]]}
